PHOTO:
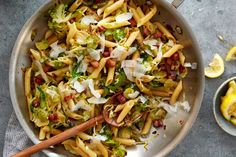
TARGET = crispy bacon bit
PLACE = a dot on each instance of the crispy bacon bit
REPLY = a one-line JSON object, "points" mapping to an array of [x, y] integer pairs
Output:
{"points": [[182, 69], [53, 117], [157, 35], [121, 99], [72, 20], [36, 103], [157, 123], [110, 63], [38, 80], [69, 97], [106, 54], [47, 68], [169, 61], [95, 64], [175, 56], [101, 28], [146, 32], [133, 23]]}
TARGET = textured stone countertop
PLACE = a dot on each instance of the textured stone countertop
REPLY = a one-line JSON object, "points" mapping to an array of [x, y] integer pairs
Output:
{"points": [[208, 18]]}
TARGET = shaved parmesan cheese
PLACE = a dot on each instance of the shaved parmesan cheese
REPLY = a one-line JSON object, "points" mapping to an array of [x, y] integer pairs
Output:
{"points": [[87, 20], [51, 92], [99, 137], [152, 43], [129, 74], [131, 50], [142, 99], [133, 95], [128, 64], [81, 105], [171, 43], [159, 54], [118, 52], [187, 65], [95, 54], [78, 87], [169, 108], [124, 17], [149, 52], [82, 67], [40, 68], [56, 50], [185, 105], [91, 87], [95, 100], [102, 42]]}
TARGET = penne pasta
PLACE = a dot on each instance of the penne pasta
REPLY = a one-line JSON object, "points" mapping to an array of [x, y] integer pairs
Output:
{"points": [[71, 146], [124, 141], [127, 107], [136, 55], [72, 32], [106, 20], [110, 76], [96, 72], [113, 8], [43, 131], [84, 148], [101, 10], [101, 148], [110, 44], [174, 49], [176, 93], [147, 125], [147, 17], [142, 87], [114, 25], [165, 31], [75, 5]]}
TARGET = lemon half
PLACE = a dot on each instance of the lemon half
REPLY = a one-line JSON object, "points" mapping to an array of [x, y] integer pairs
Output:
{"points": [[231, 55], [215, 68], [228, 106]]}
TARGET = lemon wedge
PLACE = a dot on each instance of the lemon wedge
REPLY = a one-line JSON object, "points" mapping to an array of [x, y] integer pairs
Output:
{"points": [[215, 68], [233, 121], [228, 106], [231, 55]]}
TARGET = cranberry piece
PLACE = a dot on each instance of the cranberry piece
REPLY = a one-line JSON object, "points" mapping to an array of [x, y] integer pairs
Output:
{"points": [[98, 1], [182, 69], [47, 68], [157, 35], [101, 28], [69, 97], [121, 99], [52, 117], [36, 103], [175, 56], [133, 23], [106, 54], [157, 123], [169, 61], [39, 80], [146, 32]]}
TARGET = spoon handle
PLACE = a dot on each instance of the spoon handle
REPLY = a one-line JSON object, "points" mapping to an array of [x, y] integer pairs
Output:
{"points": [[60, 137]]}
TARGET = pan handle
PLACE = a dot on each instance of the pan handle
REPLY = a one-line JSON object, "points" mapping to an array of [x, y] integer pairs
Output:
{"points": [[177, 3]]}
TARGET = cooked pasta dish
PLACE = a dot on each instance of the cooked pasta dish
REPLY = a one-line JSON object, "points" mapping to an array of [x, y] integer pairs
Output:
{"points": [[103, 57]]}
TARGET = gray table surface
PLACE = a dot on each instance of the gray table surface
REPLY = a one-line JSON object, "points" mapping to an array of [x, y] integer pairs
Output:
{"points": [[208, 18]]}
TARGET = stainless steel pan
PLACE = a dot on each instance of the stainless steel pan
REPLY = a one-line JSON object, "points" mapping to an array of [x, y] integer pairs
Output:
{"points": [[193, 84]]}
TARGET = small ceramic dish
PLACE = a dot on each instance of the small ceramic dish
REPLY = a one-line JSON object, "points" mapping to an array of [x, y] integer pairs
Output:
{"points": [[222, 122]]}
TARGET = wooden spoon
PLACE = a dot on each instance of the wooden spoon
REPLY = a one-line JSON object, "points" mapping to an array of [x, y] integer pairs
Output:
{"points": [[60, 137]]}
